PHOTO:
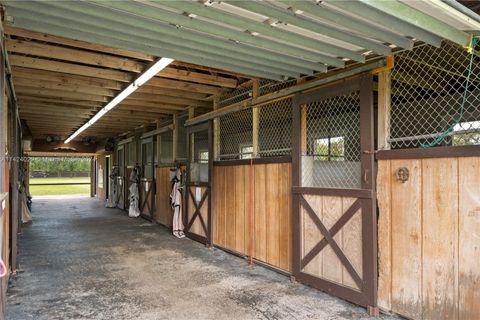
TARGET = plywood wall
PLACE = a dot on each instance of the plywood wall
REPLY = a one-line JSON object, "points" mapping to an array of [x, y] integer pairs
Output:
{"points": [[271, 215], [429, 231]]}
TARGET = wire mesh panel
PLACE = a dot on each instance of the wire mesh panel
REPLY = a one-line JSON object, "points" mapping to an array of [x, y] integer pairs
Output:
{"points": [[272, 86], [199, 157], [236, 135], [181, 138], [275, 129], [331, 156], [166, 147], [428, 106], [236, 95]]}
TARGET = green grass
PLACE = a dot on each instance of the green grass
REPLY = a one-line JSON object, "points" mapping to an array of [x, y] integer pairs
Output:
{"points": [[48, 190]]}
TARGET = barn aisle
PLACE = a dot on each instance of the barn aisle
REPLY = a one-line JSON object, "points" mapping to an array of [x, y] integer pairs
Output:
{"points": [[83, 261]]}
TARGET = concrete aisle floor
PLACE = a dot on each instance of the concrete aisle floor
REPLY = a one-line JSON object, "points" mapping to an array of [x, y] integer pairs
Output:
{"points": [[83, 261]]}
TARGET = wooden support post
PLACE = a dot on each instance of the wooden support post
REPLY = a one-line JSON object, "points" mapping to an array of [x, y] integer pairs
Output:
{"points": [[93, 175], [191, 112], [216, 130], [303, 125], [159, 143], [191, 143], [384, 106], [174, 138], [303, 130], [255, 120]]}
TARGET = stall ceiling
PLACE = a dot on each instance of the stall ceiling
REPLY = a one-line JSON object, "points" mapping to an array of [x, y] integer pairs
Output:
{"points": [[61, 83], [69, 58], [266, 39]]}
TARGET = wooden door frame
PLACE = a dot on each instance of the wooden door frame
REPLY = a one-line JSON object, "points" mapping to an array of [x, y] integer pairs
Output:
{"points": [[207, 240], [122, 172], [151, 191], [367, 296]]}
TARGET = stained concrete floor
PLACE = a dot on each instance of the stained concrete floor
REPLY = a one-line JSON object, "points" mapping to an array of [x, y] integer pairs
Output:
{"points": [[83, 261]]}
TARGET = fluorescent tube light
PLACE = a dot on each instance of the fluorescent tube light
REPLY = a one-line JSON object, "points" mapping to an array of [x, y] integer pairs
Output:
{"points": [[144, 77]]}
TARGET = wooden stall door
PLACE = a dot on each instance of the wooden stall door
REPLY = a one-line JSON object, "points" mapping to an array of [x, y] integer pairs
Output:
{"points": [[333, 191], [198, 222], [120, 187], [147, 182]]}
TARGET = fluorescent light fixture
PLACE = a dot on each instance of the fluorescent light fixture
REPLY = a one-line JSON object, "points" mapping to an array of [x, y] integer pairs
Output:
{"points": [[144, 77]]}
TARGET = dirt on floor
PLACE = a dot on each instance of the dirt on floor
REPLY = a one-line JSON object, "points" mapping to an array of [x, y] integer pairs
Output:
{"points": [[80, 260]]}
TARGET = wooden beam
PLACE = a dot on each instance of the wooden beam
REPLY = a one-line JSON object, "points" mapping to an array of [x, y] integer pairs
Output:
{"points": [[75, 43], [154, 111], [29, 98], [32, 91], [182, 85], [73, 55], [215, 80], [65, 87], [169, 100], [69, 68], [152, 105], [20, 72], [173, 92], [384, 106], [103, 60]]}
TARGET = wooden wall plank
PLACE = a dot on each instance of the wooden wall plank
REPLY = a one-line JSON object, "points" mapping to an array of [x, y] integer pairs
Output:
{"points": [[272, 216], [407, 239], [285, 216], [223, 202], [248, 225], [384, 181], [239, 209], [230, 194], [469, 239], [260, 225], [440, 208]]}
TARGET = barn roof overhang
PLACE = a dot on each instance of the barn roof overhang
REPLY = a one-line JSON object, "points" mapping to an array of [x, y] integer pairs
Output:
{"points": [[70, 58], [274, 39]]}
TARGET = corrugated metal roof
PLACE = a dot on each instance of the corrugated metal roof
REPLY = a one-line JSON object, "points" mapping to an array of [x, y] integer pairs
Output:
{"points": [[274, 39]]}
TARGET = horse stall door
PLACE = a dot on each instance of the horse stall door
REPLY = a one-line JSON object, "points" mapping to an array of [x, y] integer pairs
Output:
{"points": [[147, 181], [198, 189], [333, 191]]}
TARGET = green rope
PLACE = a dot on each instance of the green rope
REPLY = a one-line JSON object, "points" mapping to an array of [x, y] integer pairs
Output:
{"points": [[462, 107]]}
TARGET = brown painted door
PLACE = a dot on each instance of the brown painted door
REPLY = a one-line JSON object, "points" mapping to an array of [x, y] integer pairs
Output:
{"points": [[147, 182], [333, 191], [198, 189]]}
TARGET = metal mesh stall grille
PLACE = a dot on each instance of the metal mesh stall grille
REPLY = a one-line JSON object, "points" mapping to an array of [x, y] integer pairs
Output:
{"points": [[275, 129], [428, 84], [181, 138], [166, 147], [236, 135], [236, 95], [273, 86], [199, 156], [331, 156]]}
